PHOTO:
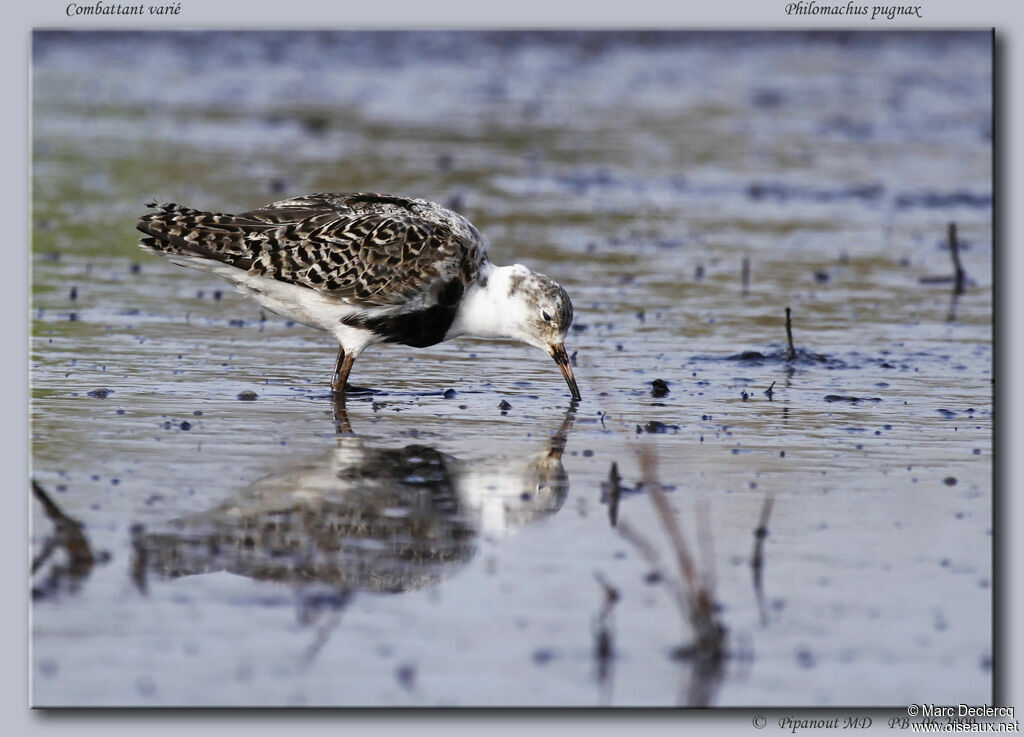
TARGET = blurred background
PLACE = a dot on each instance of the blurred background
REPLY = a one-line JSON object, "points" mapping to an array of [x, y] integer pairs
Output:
{"points": [[685, 188]]}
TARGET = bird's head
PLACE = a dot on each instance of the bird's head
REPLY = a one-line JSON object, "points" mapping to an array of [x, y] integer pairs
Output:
{"points": [[539, 313]]}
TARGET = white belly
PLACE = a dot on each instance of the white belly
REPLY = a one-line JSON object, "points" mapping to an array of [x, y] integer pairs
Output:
{"points": [[301, 304]]}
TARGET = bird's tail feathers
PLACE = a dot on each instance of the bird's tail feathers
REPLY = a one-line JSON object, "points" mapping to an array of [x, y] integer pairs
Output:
{"points": [[195, 234]]}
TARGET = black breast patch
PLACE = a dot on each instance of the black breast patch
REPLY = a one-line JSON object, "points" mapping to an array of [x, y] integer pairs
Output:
{"points": [[416, 328]]}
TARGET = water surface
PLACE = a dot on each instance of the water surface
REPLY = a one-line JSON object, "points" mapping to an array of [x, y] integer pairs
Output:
{"points": [[447, 552]]}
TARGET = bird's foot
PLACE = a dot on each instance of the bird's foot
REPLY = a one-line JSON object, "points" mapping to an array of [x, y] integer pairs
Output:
{"points": [[352, 389]]}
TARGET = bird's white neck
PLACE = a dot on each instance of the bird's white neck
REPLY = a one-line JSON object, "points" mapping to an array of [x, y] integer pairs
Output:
{"points": [[488, 310]]}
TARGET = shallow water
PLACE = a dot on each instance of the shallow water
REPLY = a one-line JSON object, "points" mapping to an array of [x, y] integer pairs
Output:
{"points": [[446, 552]]}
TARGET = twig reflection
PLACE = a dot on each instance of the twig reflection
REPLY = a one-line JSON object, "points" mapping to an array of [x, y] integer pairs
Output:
{"points": [[757, 557], [69, 537], [692, 590]]}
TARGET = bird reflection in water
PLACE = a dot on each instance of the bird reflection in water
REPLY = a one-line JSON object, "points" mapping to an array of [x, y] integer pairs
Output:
{"points": [[360, 518]]}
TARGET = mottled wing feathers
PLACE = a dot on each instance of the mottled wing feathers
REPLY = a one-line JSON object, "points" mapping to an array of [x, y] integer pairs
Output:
{"points": [[362, 248]]}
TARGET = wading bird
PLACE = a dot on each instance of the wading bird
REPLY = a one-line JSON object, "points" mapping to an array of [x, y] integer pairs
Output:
{"points": [[368, 268]]}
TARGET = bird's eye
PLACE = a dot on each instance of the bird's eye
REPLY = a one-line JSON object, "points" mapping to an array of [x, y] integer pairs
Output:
{"points": [[546, 316]]}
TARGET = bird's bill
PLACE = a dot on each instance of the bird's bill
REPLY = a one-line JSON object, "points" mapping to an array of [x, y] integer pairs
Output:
{"points": [[562, 359]]}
